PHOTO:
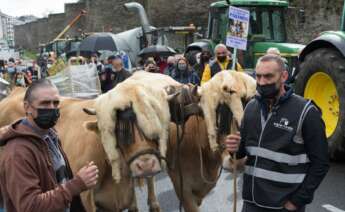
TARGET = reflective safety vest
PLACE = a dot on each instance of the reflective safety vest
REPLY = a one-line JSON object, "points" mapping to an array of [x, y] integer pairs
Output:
{"points": [[277, 162]]}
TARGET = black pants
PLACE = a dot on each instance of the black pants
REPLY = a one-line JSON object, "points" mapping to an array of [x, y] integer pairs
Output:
{"points": [[250, 207]]}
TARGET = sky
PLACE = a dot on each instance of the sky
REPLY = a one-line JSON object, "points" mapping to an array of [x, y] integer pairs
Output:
{"points": [[39, 8]]}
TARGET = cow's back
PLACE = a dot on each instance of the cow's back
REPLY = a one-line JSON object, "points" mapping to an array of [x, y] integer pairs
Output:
{"points": [[82, 146], [12, 107]]}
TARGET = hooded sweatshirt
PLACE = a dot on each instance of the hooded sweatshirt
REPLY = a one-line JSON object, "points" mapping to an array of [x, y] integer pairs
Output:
{"points": [[27, 177]]}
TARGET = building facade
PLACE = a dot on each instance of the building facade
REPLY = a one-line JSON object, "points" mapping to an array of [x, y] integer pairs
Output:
{"points": [[7, 24]]}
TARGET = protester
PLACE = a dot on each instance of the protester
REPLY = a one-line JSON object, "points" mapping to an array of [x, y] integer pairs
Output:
{"points": [[114, 74], [223, 61], [151, 66], [282, 144], [171, 61], [35, 174], [161, 63], [19, 79], [35, 71], [2, 68], [184, 73], [204, 59], [11, 70]]}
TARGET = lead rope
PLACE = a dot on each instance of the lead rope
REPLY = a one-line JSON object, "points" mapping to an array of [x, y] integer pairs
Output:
{"points": [[234, 172], [179, 141]]}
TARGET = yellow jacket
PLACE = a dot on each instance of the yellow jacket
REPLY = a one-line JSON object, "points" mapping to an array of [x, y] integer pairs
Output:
{"points": [[206, 75]]}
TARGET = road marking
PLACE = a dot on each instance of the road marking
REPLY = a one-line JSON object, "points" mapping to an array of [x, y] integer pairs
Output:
{"points": [[332, 208]]}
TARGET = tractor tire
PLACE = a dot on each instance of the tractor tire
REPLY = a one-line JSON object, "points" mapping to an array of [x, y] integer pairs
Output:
{"points": [[322, 79]]}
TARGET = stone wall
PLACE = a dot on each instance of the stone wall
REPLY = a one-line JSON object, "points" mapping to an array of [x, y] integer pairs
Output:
{"points": [[110, 15], [320, 15], [30, 35]]}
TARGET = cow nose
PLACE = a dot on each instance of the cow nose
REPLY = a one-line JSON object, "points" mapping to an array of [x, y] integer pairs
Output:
{"points": [[146, 164]]}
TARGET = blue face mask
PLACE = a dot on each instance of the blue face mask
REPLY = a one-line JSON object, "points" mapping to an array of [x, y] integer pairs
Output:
{"points": [[182, 67]]}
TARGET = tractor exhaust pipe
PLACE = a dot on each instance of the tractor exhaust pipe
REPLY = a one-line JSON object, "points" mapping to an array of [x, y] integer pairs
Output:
{"points": [[136, 7], [342, 26]]}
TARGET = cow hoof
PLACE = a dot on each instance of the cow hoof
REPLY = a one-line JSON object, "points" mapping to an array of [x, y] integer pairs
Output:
{"points": [[155, 208]]}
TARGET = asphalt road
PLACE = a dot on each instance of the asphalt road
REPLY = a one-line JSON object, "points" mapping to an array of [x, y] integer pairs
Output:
{"points": [[329, 197]]}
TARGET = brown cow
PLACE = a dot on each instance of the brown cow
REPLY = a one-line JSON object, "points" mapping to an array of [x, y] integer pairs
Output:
{"points": [[82, 145], [194, 164]]}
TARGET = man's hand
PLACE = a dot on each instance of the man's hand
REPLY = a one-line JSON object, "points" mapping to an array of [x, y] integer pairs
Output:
{"points": [[290, 206], [89, 174], [232, 142]]}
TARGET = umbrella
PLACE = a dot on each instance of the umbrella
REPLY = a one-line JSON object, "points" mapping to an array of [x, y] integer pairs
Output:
{"points": [[98, 41], [156, 50]]}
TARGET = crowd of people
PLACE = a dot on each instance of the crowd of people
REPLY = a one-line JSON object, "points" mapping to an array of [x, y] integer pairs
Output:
{"points": [[195, 69]]}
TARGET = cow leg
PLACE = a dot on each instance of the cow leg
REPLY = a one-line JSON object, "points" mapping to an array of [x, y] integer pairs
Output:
{"points": [[151, 197], [190, 202], [88, 201], [133, 207]]}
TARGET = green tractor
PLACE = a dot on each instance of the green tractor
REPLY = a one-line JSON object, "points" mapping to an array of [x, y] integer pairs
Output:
{"points": [[266, 29], [322, 78]]}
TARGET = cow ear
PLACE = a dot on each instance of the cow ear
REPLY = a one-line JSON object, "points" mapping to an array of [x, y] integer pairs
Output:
{"points": [[91, 126], [196, 91]]}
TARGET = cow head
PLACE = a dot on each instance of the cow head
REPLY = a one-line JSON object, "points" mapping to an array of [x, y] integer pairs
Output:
{"points": [[183, 102], [140, 152]]}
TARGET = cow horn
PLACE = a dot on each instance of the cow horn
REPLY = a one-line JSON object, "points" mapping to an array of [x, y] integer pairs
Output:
{"points": [[89, 111], [172, 96]]}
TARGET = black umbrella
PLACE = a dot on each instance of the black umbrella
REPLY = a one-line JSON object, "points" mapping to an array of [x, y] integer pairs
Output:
{"points": [[156, 50], [98, 41]]}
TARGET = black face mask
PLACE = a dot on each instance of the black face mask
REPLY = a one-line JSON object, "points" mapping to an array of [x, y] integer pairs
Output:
{"points": [[268, 91], [47, 117], [221, 58], [205, 58]]}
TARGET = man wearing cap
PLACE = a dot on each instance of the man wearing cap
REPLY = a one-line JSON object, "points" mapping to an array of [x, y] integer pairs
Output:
{"points": [[114, 74]]}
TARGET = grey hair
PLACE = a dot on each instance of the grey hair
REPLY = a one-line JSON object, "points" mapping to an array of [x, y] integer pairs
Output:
{"points": [[273, 50], [41, 83], [219, 46], [273, 58]]}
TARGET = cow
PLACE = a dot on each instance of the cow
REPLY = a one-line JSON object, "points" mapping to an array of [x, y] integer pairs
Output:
{"points": [[194, 165], [229, 88], [123, 131]]}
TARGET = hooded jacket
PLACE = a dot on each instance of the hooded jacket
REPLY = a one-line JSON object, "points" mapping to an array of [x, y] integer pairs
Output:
{"points": [[27, 177]]}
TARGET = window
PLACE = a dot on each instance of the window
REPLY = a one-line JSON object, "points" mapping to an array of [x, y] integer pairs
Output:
{"points": [[268, 22], [265, 21], [218, 24]]}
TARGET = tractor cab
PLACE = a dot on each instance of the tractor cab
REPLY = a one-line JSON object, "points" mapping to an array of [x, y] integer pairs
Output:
{"points": [[266, 29]]}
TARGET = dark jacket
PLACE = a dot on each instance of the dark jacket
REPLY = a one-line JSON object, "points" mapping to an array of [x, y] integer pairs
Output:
{"points": [[286, 149], [113, 78], [187, 76], [27, 177]]}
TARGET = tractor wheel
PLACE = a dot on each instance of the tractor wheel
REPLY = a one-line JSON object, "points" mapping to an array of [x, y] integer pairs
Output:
{"points": [[322, 79]]}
